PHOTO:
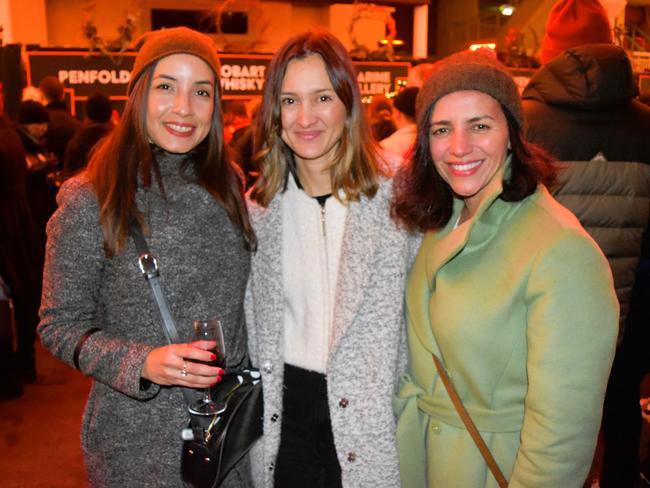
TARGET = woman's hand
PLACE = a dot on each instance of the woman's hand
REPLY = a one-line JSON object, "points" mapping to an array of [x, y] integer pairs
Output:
{"points": [[176, 364]]}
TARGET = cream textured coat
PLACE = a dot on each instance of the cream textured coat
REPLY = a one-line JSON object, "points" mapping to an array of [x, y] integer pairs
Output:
{"points": [[368, 324]]}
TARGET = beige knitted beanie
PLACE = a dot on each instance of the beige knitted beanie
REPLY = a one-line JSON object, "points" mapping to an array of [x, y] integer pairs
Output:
{"points": [[155, 45]]}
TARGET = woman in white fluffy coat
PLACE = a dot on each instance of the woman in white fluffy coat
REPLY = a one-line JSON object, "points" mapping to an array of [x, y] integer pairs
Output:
{"points": [[324, 300]]}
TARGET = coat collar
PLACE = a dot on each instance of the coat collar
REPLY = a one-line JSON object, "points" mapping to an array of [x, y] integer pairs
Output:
{"points": [[360, 240], [450, 241], [441, 246]]}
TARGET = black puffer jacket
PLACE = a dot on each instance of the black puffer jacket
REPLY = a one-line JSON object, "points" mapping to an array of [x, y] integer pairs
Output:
{"points": [[581, 107], [583, 102]]}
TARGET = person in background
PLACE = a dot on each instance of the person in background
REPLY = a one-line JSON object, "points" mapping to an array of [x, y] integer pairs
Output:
{"points": [[418, 74], [508, 292], [32, 93], [165, 167], [62, 125], [241, 144], [380, 117], [20, 263], [235, 117], [97, 125], [599, 131], [400, 143], [32, 124], [324, 300]]}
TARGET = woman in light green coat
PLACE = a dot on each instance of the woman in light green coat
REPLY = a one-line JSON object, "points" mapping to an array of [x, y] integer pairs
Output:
{"points": [[507, 290]]}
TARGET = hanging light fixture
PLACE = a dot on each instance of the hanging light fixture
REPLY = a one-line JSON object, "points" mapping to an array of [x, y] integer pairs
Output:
{"points": [[483, 45], [507, 10]]}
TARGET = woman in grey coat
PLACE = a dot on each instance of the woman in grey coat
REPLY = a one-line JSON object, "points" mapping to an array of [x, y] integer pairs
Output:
{"points": [[164, 166], [324, 301]]}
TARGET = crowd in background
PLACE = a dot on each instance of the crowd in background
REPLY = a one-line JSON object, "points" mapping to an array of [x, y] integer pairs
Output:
{"points": [[597, 132], [41, 148]]}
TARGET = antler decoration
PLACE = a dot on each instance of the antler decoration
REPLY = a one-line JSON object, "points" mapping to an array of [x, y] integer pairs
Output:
{"points": [[371, 11], [97, 43], [258, 22]]}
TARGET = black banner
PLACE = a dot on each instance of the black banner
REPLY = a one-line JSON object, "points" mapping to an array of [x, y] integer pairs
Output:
{"points": [[378, 78], [242, 76], [80, 72]]}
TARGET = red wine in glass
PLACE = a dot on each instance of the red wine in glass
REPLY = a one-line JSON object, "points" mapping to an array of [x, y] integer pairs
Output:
{"points": [[219, 362], [209, 330]]}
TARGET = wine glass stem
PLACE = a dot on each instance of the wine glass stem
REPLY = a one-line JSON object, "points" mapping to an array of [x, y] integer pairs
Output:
{"points": [[206, 395]]}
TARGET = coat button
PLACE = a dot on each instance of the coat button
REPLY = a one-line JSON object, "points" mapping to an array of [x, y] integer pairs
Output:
{"points": [[352, 457], [267, 367], [435, 428], [274, 417], [344, 402]]}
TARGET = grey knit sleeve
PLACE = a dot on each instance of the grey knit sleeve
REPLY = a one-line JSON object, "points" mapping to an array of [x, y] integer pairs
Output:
{"points": [[70, 304]]}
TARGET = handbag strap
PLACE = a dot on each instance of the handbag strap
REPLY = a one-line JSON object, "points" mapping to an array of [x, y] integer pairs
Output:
{"points": [[469, 424], [151, 272]]}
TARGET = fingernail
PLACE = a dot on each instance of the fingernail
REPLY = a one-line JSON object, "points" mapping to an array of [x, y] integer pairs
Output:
{"points": [[213, 357]]}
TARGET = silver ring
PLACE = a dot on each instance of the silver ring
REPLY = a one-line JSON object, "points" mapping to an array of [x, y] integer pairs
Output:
{"points": [[184, 370]]}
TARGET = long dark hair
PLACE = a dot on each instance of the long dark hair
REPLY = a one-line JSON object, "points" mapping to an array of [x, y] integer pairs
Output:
{"points": [[355, 171], [126, 154], [423, 201]]}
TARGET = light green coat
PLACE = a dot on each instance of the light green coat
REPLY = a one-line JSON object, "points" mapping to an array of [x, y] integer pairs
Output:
{"points": [[519, 304]]}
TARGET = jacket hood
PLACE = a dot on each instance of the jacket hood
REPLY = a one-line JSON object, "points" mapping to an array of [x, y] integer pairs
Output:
{"points": [[589, 77]]}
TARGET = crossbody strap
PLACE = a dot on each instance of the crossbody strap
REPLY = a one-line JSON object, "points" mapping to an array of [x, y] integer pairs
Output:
{"points": [[149, 267], [469, 424], [151, 272]]}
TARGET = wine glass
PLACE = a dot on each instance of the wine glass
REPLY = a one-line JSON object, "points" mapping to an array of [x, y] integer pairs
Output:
{"points": [[209, 330]]}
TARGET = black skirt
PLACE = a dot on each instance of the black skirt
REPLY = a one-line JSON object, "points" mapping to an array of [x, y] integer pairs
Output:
{"points": [[307, 455]]}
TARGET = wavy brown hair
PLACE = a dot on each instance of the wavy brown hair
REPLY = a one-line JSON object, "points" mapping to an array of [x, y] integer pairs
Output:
{"points": [[126, 155], [423, 201], [355, 171]]}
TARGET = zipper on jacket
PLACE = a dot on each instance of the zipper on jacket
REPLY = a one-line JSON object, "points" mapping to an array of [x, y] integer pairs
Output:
{"points": [[322, 222], [328, 287]]}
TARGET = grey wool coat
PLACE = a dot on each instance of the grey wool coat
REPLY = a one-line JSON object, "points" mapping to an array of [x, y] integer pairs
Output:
{"points": [[131, 436], [364, 359]]}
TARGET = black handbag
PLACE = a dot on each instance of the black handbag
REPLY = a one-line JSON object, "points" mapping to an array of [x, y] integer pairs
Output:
{"points": [[210, 452], [212, 445]]}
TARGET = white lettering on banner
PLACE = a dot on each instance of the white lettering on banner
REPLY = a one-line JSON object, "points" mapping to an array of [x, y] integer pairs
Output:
{"points": [[90, 76], [235, 77], [237, 71], [374, 77], [242, 84], [374, 88]]}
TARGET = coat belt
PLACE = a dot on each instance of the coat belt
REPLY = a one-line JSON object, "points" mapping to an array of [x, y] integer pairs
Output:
{"points": [[440, 408]]}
